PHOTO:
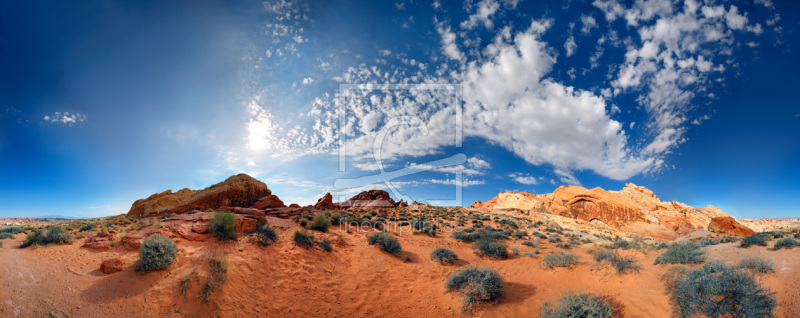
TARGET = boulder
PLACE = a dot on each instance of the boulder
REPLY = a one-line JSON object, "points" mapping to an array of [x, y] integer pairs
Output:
{"points": [[326, 202], [268, 202], [101, 240], [133, 241], [294, 206], [111, 266], [729, 226]]}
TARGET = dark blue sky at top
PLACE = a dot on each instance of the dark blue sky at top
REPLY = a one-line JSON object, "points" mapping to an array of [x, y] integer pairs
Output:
{"points": [[160, 92]]}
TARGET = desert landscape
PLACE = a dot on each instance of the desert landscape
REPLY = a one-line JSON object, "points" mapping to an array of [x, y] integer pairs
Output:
{"points": [[330, 269]]}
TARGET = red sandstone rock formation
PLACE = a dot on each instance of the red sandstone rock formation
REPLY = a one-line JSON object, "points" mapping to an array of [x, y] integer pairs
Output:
{"points": [[268, 202], [111, 266], [729, 226], [237, 191], [370, 199], [326, 202]]}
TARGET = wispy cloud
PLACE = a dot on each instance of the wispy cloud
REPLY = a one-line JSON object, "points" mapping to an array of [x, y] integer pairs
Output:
{"points": [[65, 118]]}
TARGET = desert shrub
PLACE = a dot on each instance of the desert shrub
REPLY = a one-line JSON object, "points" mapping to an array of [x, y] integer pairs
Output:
{"points": [[564, 246], [325, 245], [320, 223], [534, 243], [685, 253], [1, 243], [465, 237], [622, 264], [520, 234], [560, 259], [386, 242], [554, 239], [218, 268], [757, 264], [4, 236], [486, 247], [603, 254], [785, 243], [622, 243], [532, 253], [87, 227], [156, 253], [476, 284], [336, 217], [539, 235], [755, 239], [12, 230], [719, 290], [572, 304], [443, 256], [303, 238], [775, 234], [223, 226], [41, 237], [266, 235]]}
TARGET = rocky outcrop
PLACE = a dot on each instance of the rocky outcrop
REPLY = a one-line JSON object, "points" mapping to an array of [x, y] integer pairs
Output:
{"points": [[634, 209], [111, 266], [294, 206], [326, 202], [370, 199], [159, 202], [269, 202], [240, 190], [101, 240], [729, 226]]}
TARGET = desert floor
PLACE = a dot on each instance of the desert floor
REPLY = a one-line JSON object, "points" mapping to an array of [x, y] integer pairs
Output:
{"points": [[354, 280]]}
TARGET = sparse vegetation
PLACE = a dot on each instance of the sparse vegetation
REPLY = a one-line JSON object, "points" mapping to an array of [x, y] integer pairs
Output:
{"points": [[4, 236], [572, 304], [223, 226], [52, 234], [443, 256], [218, 268], [266, 235], [719, 290], [386, 242], [759, 239], [320, 223], [534, 244], [303, 238], [156, 253], [757, 265], [486, 247], [622, 264], [325, 245], [476, 284], [87, 227], [561, 259], [785, 243], [682, 253]]}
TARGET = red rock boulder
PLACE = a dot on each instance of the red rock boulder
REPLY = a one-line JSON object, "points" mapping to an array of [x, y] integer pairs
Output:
{"points": [[111, 266], [729, 226], [268, 202], [370, 199]]}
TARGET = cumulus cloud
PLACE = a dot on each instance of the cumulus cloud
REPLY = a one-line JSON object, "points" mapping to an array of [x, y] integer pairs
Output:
{"points": [[449, 46], [523, 178], [483, 13], [588, 23], [570, 45], [64, 118]]}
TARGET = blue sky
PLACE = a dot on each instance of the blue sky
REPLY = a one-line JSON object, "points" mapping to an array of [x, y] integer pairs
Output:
{"points": [[105, 102]]}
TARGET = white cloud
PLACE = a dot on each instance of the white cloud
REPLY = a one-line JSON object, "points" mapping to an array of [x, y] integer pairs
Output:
{"points": [[65, 118], [449, 42], [588, 22], [523, 178], [308, 80], [463, 183], [483, 13], [570, 45]]}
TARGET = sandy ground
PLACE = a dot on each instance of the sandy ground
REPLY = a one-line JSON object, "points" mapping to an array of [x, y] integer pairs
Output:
{"points": [[355, 280]]}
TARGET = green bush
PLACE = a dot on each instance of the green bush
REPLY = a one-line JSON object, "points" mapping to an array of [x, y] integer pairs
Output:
{"points": [[622, 264], [560, 259], [785, 243], [443, 256], [156, 253], [476, 284], [4, 236], [486, 247], [218, 267], [41, 237], [755, 239], [266, 235], [385, 242], [325, 244], [12, 230], [87, 227], [719, 290], [465, 236], [534, 244], [682, 253], [757, 264], [576, 305], [223, 226], [320, 223], [303, 238]]}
